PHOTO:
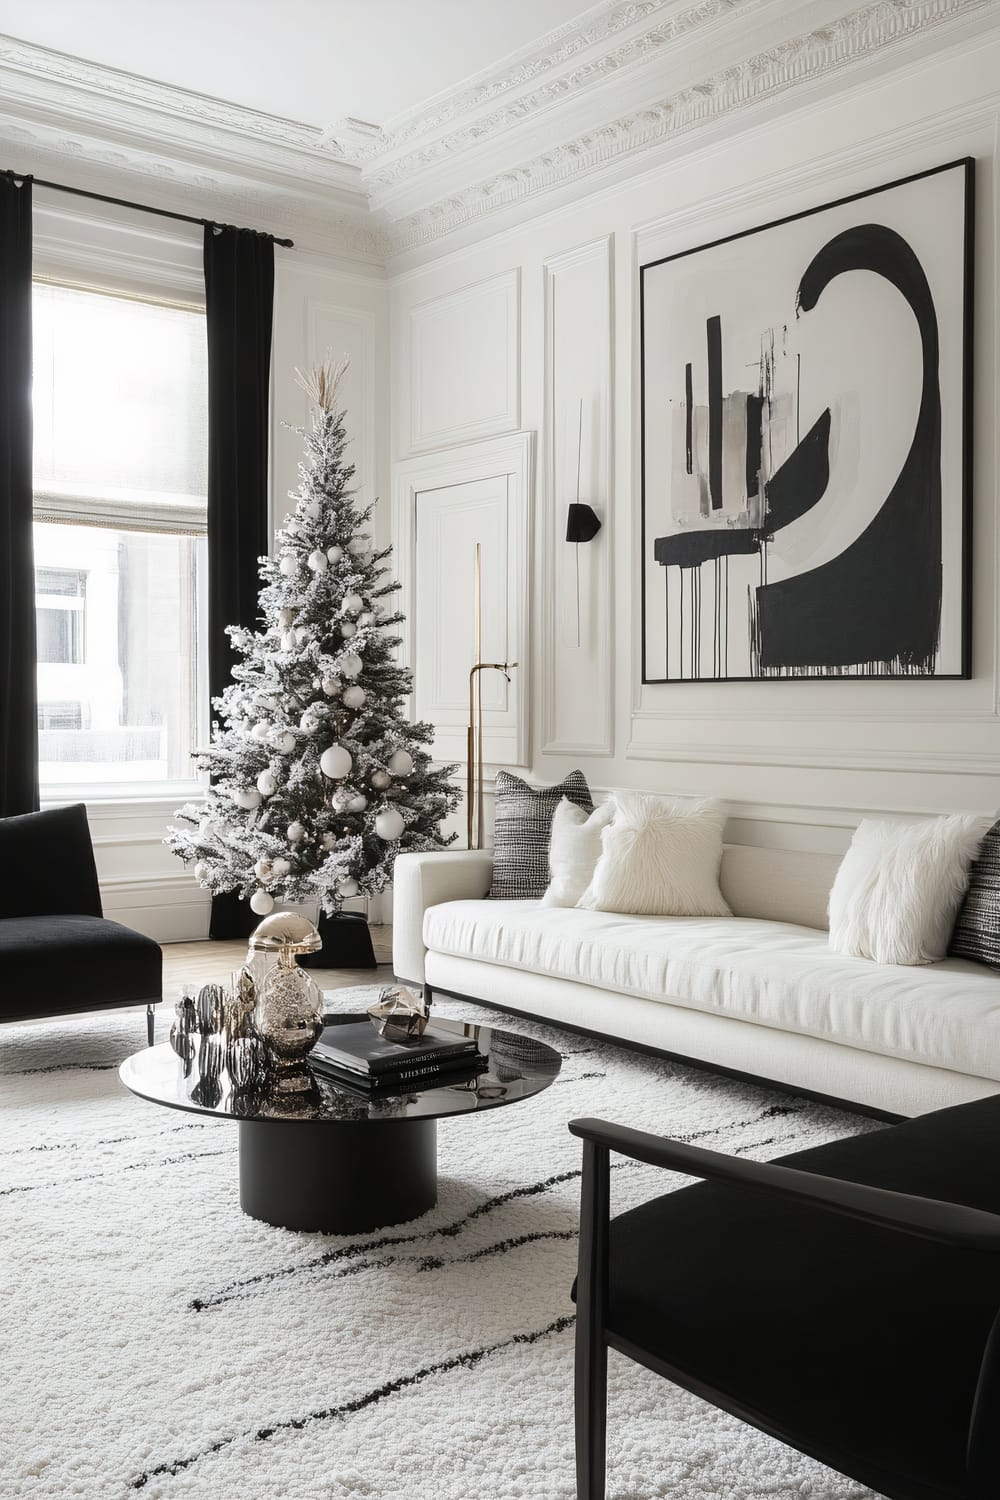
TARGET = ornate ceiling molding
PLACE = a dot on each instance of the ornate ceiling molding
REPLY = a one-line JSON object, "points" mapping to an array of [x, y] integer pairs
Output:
{"points": [[627, 78], [849, 39]]}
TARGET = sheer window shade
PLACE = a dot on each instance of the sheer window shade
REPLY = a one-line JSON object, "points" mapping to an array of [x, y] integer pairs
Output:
{"points": [[120, 416]]}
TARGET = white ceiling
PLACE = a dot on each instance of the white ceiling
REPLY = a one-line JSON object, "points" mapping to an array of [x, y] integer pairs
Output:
{"points": [[314, 61]]}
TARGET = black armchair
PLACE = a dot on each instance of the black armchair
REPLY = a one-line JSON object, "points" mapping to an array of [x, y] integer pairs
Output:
{"points": [[58, 953], [844, 1299]]}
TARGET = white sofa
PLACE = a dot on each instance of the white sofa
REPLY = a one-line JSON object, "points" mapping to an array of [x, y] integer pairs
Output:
{"points": [[760, 993]]}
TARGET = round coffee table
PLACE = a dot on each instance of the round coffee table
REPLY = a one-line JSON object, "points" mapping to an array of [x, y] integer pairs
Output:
{"points": [[334, 1160]]}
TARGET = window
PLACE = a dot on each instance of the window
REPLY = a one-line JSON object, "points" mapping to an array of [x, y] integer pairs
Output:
{"points": [[120, 466]]}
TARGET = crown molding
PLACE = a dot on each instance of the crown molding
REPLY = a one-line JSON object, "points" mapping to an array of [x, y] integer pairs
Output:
{"points": [[767, 75], [608, 94]]}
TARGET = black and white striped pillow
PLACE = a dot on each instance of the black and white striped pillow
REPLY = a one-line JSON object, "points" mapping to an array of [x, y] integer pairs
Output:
{"points": [[976, 933], [521, 831]]}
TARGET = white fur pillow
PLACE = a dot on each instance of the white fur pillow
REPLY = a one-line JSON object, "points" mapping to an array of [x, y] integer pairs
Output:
{"points": [[660, 857], [574, 849], [899, 887]]}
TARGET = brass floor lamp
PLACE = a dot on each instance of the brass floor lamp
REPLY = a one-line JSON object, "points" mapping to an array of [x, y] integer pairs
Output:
{"points": [[474, 742]]}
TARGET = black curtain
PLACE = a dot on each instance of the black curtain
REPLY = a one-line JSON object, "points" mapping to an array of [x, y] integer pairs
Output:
{"points": [[239, 300], [18, 706]]}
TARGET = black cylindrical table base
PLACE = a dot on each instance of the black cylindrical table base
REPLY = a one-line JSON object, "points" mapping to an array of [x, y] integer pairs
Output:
{"points": [[341, 1178]]}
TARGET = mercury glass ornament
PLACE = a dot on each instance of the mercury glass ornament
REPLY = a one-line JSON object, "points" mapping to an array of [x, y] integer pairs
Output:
{"points": [[241, 1000], [184, 1024], [246, 1063], [289, 1014]]}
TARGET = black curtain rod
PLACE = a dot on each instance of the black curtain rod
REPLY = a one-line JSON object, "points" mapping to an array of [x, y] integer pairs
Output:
{"points": [[146, 208]]}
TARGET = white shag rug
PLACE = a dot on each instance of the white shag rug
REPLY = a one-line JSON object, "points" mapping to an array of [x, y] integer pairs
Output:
{"points": [[157, 1343]]}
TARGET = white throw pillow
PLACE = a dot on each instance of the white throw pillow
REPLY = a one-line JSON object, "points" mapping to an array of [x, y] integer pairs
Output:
{"points": [[899, 887], [660, 857], [574, 849]]}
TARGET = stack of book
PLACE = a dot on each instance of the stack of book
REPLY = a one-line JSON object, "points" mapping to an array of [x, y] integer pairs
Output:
{"points": [[353, 1055]]}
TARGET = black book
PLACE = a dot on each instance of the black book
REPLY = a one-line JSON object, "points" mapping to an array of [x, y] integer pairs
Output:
{"points": [[358, 1048], [421, 1076]]}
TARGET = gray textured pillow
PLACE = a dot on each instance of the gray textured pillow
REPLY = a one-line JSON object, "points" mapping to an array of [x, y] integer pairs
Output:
{"points": [[976, 933], [521, 830]]}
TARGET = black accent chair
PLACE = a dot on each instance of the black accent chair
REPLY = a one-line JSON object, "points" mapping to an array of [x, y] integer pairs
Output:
{"points": [[843, 1299], [58, 954]]}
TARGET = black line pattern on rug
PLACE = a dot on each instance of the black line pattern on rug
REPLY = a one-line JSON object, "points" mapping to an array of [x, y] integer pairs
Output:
{"points": [[61, 1068], [132, 1166], [235, 1291], [108, 1140], [442, 1262], [465, 1361]]}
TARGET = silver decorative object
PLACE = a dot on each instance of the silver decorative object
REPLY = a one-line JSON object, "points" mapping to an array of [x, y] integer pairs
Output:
{"points": [[211, 1008], [241, 1001], [399, 1015], [289, 1013], [185, 1022], [246, 1063]]}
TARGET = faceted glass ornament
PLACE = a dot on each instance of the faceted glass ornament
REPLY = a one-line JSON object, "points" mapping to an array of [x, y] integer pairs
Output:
{"points": [[400, 1015], [240, 1003]]}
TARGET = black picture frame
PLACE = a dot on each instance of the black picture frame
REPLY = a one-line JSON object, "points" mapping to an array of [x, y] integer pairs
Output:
{"points": [[774, 627]]}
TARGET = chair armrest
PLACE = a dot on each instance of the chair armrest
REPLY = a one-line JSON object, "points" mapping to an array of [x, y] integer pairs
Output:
{"points": [[423, 880], [926, 1218]]}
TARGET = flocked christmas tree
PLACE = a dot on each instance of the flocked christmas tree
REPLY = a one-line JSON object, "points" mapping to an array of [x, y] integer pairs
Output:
{"points": [[318, 779]]}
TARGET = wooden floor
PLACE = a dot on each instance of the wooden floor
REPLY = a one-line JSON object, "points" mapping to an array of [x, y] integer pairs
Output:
{"points": [[198, 963]]}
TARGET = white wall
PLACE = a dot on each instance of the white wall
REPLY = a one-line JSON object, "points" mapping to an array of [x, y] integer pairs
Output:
{"points": [[798, 762], [318, 305]]}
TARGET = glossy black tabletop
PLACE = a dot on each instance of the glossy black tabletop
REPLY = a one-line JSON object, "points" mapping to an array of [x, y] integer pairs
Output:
{"points": [[517, 1067]]}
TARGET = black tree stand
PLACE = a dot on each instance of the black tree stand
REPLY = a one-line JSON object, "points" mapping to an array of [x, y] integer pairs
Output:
{"points": [[347, 943]]}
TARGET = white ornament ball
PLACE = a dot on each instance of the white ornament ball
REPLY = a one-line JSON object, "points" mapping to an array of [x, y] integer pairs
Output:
{"points": [[380, 780], [340, 801], [401, 763], [358, 803], [201, 872], [263, 869], [367, 618], [331, 686], [311, 509], [354, 696], [283, 741], [335, 762], [352, 604], [359, 545], [348, 887], [301, 634], [347, 629], [308, 721], [248, 799], [261, 903], [260, 729], [317, 561], [286, 616], [389, 824], [289, 565], [335, 553], [288, 640], [296, 832], [351, 665], [329, 841], [267, 783], [279, 867]]}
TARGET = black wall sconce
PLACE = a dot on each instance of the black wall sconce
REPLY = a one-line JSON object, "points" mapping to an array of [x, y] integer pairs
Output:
{"points": [[582, 521]]}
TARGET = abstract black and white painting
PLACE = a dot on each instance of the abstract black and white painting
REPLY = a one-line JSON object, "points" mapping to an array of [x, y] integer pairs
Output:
{"points": [[806, 443]]}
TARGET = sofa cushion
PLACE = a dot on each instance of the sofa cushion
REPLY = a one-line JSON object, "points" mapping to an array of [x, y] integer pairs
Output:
{"points": [[52, 966], [522, 825], [770, 973], [976, 934]]}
